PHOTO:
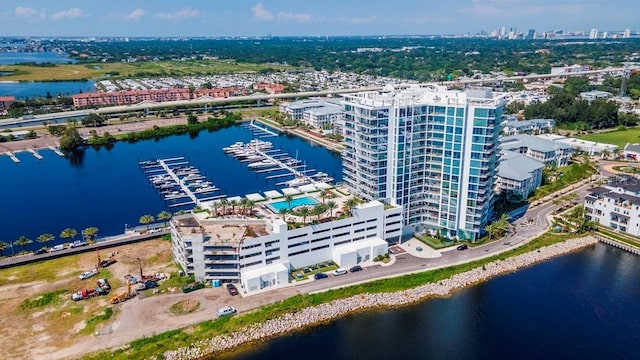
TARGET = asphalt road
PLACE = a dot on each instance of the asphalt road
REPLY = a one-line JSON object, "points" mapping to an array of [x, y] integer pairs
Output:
{"points": [[531, 224]]}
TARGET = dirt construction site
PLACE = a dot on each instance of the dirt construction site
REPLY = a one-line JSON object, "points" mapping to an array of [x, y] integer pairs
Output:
{"points": [[41, 321]]}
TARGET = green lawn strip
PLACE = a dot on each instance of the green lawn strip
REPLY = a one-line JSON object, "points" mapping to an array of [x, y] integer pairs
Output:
{"points": [[44, 270], [46, 299], [617, 236], [616, 137], [104, 315], [434, 242], [174, 339]]}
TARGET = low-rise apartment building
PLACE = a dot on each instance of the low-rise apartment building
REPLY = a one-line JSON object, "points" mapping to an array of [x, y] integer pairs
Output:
{"points": [[518, 176], [615, 205], [547, 152], [530, 127], [129, 97], [260, 250]]}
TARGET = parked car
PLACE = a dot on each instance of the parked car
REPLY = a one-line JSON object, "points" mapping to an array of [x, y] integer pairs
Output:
{"points": [[78, 243], [339, 271], [462, 247], [227, 310], [41, 251], [87, 274], [232, 289], [355, 268], [319, 276], [57, 248]]}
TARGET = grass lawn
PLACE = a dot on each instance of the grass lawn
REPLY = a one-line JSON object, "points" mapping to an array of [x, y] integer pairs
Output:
{"points": [[72, 72], [616, 137], [434, 242], [46, 270]]}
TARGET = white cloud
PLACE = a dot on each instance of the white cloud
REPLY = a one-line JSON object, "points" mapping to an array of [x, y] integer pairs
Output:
{"points": [[72, 13], [261, 13], [186, 13], [136, 14], [23, 12], [289, 16]]}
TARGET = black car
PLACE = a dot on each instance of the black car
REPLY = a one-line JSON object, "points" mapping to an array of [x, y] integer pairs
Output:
{"points": [[41, 251], [233, 291], [462, 247], [319, 276], [355, 268]]}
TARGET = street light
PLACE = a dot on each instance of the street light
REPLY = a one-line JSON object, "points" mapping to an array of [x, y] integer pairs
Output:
{"points": [[126, 227]]}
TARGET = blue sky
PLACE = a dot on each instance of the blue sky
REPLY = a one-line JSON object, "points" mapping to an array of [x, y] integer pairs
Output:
{"points": [[305, 17]]}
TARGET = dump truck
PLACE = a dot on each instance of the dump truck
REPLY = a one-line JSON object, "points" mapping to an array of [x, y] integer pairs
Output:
{"points": [[123, 296]]}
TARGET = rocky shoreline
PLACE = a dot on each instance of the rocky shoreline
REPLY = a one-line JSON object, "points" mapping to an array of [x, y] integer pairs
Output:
{"points": [[338, 308]]}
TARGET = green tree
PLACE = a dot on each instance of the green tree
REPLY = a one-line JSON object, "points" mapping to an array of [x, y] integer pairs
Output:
{"points": [[45, 239], [192, 119], [23, 241], [71, 140], [146, 220], [94, 120], [164, 216], [288, 199], [331, 205], [304, 212], [283, 212], [3, 247], [318, 210], [69, 233], [350, 204], [90, 233], [233, 204]]}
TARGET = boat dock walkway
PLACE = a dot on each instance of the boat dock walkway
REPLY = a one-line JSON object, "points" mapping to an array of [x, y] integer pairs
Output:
{"points": [[260, 131], [179, 183], [12, 156], [618, 244], [56, 150], [35, 153]]}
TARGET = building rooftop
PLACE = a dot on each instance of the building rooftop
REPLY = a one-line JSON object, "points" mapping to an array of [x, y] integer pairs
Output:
{"points": [[531, 142], [529, 123], [325, 110], [516, 166]]}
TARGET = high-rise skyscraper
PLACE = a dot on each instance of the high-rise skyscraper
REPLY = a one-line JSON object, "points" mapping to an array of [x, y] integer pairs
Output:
{"points": [[593, 34], [428, 149]]}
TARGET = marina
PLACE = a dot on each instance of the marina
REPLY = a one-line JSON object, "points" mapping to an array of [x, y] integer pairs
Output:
{"points": [[179, 183], [259, 131], [276, 164]]}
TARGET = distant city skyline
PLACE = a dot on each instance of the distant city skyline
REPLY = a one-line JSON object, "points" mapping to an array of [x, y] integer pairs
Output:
{"points": [[137, 18]]}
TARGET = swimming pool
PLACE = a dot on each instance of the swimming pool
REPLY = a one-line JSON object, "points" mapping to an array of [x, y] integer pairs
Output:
{"points": [[277, 206]]}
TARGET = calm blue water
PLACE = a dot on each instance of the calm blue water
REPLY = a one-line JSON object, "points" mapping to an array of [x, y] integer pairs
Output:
{"points": [[107, 189], [579, 306], [22, 90], [295, 202], [9, 58]]}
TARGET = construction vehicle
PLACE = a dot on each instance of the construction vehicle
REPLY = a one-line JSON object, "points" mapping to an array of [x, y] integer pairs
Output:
{"points": [[123, 296], [145, 278], [103, 289], [193, 287], [103, 263]]}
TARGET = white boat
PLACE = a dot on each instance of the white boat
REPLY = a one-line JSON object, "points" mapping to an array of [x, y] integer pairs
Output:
{"points": [[299, 181], [262, 164], [233, 147]]}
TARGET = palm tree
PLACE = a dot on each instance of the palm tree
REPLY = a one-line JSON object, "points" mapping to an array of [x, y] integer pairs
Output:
{"points": [[215, 208], [288, 199], [317, 210], [324, 194], [146, 220], [331, 205], [3, 246], [164, 216], [491, 230], [224, 203], [304, 211], [283, 212], [69, 233], [243, 205], [233, 204], [350, 204], [249, 207], [45, 238], [90, 233], [22, 242]]}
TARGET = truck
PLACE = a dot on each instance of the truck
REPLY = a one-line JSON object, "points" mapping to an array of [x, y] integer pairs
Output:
{"points": [[103, 288], [193, 287]]}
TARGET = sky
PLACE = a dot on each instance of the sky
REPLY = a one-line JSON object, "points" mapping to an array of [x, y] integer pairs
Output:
{"points": [[212, 18]]}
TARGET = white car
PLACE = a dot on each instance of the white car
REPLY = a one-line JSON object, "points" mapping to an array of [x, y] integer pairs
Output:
{"points": [[339, 271], [227, 310], [87, 274]]}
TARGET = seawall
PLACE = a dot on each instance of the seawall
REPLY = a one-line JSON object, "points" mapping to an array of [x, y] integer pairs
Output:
{"points": [[338, 308]]}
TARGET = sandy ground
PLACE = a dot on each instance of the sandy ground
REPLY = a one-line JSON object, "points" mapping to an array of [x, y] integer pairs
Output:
{"points": [[43, 141], [134, 126], [57, 326]]}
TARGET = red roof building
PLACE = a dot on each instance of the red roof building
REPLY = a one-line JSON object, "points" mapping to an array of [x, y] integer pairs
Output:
{"points": [[5, 102]]}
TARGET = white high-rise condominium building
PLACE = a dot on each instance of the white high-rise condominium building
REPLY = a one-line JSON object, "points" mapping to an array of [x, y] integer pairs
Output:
{"points": [[593, 34], [430, 150]]}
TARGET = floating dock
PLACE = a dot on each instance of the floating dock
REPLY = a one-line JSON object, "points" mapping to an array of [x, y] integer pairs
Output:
{"points": [[179, 183], [35, 153], [13, 157], [259, 131], [56, 150]]}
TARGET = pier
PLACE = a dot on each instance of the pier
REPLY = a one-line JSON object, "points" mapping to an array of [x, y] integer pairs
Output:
{"points": [[56, 150], [178, 182], [13, 157], [263, 159], [619, 244], [260, 131], [35, 153]]}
